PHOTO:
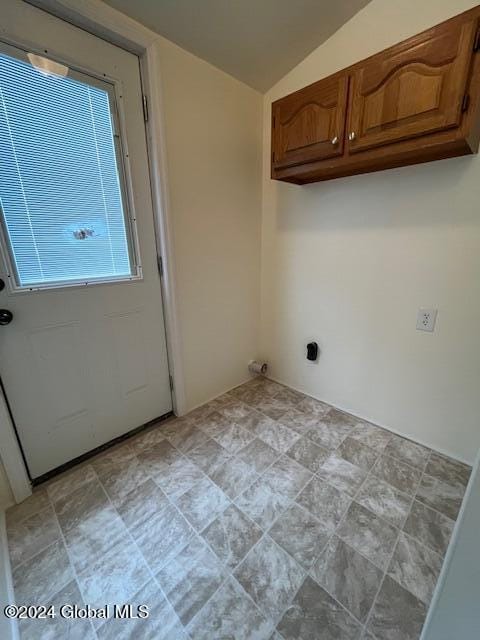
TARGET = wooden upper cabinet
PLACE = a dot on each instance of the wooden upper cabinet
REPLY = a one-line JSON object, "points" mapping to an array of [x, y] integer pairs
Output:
{"points": [[415, 102], [413, 89], [310, 124]]}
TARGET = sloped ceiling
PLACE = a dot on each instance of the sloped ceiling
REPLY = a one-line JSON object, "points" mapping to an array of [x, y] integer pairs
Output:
{"points": [[256, 41]]}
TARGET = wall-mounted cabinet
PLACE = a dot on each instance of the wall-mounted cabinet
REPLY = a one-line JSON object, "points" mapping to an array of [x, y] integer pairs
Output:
{"points": [[310, 125], [415, 102]]}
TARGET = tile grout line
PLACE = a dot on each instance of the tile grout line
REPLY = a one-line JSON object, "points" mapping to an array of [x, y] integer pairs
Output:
{"points": [[50, 544], [196, 533], [374, 602], [230, 572], [259, 436], [28, 516], [315, 474], [74, 571], [439, 513], [200, 536], [305, 572], [149, 477], [400, 531], [262, 537], [367, 620], [384, 570], [428, 507], [424, 473], [357, 620], [184, 455], [126, 529], [264, 532], [232, 501], [423, 545], [412, 497], [51, 506], [210, 598], [331, 452], [341, 520], [352, 499], [152, 575], [361, 420], [38, 551]]}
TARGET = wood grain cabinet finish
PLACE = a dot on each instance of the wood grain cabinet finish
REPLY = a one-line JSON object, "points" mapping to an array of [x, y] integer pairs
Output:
{"points": [[310, 124], [415, 102], [413, 89]]}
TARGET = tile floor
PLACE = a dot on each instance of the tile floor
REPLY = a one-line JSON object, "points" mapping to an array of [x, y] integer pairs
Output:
{"points": [[264, 514]]}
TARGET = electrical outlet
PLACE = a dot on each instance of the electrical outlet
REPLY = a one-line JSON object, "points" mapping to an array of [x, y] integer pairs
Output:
{"points": [[426, 319]]}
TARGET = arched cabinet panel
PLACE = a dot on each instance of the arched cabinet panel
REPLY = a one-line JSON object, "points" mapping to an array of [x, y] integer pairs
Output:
{"points": [[415, 102], [310, 124], [412, 89]]}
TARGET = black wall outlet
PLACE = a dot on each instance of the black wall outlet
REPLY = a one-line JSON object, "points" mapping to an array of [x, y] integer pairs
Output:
{"points": [[312, 351]]}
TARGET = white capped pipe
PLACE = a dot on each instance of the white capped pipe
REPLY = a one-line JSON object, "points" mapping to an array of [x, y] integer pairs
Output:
{"points": [[257, 367]]}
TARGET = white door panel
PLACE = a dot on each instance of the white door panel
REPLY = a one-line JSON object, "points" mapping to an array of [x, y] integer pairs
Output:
{"points": [[82, 365]]}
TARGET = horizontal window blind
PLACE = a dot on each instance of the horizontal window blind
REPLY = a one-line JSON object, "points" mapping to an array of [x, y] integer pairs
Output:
{"points": [[60, 192]]}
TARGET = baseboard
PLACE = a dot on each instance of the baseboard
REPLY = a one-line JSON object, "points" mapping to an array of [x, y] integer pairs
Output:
{"points": [[387, 428], [200, 404], [8, 628], [402, 434]]}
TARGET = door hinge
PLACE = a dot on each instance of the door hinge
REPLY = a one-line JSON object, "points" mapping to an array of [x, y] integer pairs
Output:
{"points": [[476, 42], [465, 102], [115, 120], [145, 107], [170, 381], [160, 265]]}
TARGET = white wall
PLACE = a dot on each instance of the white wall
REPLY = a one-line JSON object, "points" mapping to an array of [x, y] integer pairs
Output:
{"points": [[454, 612], [6, 498], [8, 628], [213, 128], [349, 262]]}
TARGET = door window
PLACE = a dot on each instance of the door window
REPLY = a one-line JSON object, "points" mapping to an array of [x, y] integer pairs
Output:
{"points": [[63, 199]]}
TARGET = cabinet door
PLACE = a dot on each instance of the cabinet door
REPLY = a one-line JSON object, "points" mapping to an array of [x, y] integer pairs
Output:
{"points": [[309, 125], [412, 89]]}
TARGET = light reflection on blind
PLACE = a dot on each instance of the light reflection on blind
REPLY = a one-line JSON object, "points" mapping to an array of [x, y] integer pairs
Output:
{"points": [[59, 183]]}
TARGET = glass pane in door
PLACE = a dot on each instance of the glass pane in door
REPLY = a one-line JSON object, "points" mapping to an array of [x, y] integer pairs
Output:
{"points": [[62, 193]]}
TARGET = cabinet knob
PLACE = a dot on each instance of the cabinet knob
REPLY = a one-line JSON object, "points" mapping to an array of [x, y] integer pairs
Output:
{"points": [[351, 136], [334, 140]]}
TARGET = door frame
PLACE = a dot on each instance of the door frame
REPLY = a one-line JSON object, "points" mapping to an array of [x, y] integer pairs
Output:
{"points": [[109, 24]]}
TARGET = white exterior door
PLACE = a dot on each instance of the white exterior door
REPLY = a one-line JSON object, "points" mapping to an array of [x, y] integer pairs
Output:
{"points": [[83, 359]]}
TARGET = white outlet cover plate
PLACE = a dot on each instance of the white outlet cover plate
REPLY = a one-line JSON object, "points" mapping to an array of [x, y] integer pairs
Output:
{"points": [[426, 319]]}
